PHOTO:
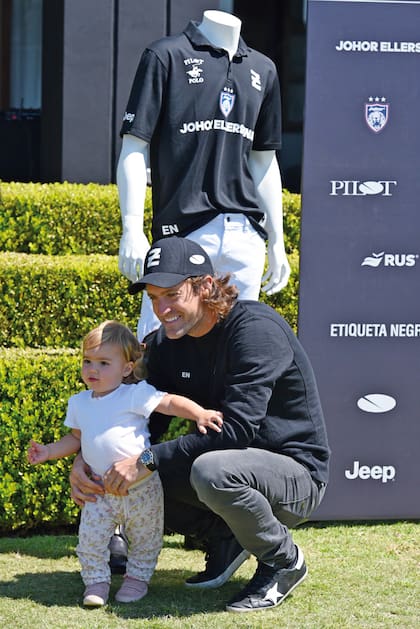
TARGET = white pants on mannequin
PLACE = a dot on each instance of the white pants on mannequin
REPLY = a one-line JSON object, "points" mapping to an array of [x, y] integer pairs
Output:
{"points": [[227, 239]]}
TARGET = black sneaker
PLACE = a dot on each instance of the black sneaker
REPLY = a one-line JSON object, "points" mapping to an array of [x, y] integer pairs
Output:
{"points": [[223, 558], [118, 547], [269, 587]]}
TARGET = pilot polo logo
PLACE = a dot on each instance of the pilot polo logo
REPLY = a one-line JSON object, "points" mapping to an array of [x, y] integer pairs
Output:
{"points": [[195, 75], [226, 101], [376, 113], [195, 72]]}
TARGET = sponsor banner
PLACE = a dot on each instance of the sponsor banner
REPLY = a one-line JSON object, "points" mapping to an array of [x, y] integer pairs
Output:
{"points": [[359, 264]]}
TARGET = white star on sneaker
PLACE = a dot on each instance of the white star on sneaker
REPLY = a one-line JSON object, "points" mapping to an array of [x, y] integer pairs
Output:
{"points": [[273, 594]]}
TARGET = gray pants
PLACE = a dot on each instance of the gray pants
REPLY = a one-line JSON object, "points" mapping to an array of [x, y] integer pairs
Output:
{"points": [[255, 494]]}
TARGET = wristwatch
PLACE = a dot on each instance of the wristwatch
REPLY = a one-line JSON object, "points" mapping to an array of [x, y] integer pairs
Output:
{"points": [[147, 459]]}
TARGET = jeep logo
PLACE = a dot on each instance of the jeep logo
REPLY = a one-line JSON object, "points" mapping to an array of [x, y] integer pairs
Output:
{"points": [[383, 473]]}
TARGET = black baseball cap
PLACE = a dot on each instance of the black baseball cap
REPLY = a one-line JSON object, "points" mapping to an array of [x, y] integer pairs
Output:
{"points": [[170, 261]]}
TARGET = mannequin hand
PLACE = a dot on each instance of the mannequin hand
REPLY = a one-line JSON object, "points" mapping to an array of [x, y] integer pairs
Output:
{"points": [[133, 249], [278, 271]]}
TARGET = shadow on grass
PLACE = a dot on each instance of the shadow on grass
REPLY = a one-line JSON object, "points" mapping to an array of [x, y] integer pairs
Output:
{"points": [[40, 546], [323, 524], [50, 589], [167, 595], [167, 599]]}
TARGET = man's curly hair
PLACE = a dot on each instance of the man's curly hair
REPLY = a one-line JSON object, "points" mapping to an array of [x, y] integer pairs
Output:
{"points": [[222, 295]]}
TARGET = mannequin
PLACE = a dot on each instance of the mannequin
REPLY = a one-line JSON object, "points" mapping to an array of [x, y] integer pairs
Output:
{"points": [[222, 32]]}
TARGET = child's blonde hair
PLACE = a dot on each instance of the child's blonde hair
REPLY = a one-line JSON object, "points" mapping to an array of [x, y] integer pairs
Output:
{"points": [[118, 334]]}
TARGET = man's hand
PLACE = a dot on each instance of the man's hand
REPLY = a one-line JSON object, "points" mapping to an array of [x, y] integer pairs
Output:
{"points": [[278, 271], [122, 474], [83, 487]]}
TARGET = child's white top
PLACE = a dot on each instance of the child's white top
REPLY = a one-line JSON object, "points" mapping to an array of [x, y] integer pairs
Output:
{"points": [[114, 426]]}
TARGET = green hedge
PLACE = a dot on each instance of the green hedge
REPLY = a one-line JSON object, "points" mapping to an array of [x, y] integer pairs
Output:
{"points": [[66, 218], [34, 388], [55, 300], [58, 219]]}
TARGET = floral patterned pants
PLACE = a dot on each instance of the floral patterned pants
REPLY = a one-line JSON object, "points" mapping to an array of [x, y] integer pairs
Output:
{"points": [[141, 513]]}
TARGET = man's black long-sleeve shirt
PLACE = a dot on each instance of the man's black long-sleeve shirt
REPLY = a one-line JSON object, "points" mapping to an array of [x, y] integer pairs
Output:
{"points": [[252, 367]]}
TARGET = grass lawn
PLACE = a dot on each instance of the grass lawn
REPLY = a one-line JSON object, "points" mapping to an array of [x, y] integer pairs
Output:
{"points": [[361, 575]]}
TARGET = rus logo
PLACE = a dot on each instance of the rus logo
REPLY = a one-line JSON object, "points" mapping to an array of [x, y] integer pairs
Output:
{"points": [[390, 259]]}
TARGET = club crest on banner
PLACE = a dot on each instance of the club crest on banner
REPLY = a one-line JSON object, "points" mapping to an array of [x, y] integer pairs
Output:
{"points": [[226, 102], [376, 113]]}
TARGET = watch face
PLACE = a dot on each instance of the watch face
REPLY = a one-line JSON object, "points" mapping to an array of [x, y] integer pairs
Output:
{"points": [[147, 458]]}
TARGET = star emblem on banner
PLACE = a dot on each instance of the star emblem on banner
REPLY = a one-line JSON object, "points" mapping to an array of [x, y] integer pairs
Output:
{"points": [[377, 99]]}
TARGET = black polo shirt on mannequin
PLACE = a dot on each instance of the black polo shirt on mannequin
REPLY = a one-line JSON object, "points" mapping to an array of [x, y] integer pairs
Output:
{"points": [[202, 114]]}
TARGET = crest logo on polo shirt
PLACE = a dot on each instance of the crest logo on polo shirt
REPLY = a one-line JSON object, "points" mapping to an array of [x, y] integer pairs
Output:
{"points": [[376, 113], [226, 101]]}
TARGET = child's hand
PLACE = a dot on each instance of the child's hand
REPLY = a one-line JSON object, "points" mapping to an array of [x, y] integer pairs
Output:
{"points": [[210, 419], [37, 453]]}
